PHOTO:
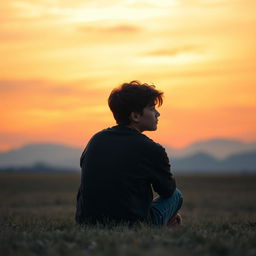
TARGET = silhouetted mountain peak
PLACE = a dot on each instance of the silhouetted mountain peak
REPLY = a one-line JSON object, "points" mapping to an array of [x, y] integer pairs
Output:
{"points": [[44, 146], [220, 148], [193, 158], [48, 153], [217, 142], [201, 156]]}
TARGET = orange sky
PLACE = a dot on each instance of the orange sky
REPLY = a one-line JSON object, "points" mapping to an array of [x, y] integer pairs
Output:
{"points": [[61, 59]]}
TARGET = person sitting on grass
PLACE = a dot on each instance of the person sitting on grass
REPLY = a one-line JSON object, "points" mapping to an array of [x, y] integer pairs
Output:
{"points": [[120, 166]]}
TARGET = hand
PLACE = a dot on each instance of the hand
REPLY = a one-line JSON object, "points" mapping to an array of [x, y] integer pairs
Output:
{"points": [[175, 221]]}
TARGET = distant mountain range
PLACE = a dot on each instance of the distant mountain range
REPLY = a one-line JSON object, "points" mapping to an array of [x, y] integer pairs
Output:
{"points": [[218, 155], [202, 162], [218, 148], [55, 155]]}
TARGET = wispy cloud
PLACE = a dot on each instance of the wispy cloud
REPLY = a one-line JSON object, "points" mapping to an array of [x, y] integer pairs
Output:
{"points": [[175, 51], [49, 95], [117, 29]]}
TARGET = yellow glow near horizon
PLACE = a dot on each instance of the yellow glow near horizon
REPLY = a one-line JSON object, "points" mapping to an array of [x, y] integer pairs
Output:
{"points": [[61, 59]]}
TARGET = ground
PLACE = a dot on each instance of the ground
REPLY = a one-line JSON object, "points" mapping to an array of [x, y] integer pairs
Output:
{"points": [[37, 218]]}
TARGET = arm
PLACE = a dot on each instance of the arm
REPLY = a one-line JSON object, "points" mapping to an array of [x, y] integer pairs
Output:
{"points": [[162, 179]]}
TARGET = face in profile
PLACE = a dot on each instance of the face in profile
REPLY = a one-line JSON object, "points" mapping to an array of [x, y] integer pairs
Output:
{"points": [[148, 120]]}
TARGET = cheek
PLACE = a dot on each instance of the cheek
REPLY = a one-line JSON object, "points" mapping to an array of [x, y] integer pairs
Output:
{"points": [[151, 117]]}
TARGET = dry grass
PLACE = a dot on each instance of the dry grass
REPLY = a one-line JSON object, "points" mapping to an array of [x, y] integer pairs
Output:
{"points": [[37, 218]]}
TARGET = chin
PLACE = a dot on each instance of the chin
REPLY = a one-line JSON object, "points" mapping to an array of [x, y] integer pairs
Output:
{"points": [[153, 128], [150, 128]]}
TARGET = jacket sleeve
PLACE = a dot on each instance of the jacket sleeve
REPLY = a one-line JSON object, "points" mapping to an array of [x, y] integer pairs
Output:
{"points": [[163, 181]]}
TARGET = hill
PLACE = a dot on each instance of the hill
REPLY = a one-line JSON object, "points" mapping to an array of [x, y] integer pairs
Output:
{"points": [[61, 157], [219, 148], [54, 155], [202, 162]]}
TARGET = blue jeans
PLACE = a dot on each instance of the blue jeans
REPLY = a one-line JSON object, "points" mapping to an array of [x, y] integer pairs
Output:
{"points": [[163, 209]]}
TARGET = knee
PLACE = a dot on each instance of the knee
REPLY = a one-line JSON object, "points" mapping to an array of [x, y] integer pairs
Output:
{"points": [[178, 193], [179, 196]]}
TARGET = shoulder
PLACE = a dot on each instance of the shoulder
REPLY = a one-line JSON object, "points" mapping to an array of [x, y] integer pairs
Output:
{"points": [[100, 134], [154, 148], [94, 140], [156, 154]]}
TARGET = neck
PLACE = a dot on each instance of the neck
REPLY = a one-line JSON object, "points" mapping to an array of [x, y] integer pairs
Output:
{"points": [[133, 126]]}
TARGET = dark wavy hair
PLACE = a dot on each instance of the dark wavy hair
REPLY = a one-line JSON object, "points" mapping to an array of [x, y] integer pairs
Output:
{"points": [[132, 97]]}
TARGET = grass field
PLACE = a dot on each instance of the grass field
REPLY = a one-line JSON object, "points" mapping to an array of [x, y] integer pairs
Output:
{"points": [[37, 218]]}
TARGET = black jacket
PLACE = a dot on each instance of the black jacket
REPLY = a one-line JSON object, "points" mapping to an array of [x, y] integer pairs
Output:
{"points": [[119, 165]]}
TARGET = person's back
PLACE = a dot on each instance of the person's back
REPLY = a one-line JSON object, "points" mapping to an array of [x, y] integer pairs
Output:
{"points": [[120, 164]]}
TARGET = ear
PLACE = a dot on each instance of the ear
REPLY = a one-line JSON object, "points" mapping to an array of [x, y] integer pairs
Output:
{"points": [[135, 117]]}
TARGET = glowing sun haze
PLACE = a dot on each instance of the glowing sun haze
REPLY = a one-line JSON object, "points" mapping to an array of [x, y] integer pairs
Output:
{"points": [[61, 59]]}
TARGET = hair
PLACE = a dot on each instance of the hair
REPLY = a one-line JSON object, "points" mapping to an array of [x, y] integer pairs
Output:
{"points": [[132, 97]]}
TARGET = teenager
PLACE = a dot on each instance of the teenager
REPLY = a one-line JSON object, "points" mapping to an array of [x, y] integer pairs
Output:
{"points": [[120, 165]]}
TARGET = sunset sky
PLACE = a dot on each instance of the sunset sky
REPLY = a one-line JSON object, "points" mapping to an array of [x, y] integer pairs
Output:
{"points": [[60, 59]]}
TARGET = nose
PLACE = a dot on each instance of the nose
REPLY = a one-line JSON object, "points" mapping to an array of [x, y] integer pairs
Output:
{"points": [[157, 114]]}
